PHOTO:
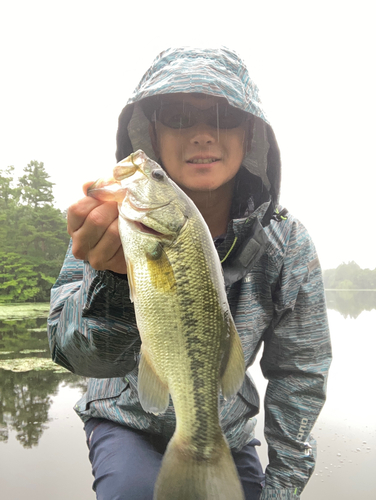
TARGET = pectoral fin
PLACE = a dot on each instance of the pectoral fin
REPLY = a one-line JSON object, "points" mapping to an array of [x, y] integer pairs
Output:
{"points": [[161, 273], [233, 366], [153, 393]]}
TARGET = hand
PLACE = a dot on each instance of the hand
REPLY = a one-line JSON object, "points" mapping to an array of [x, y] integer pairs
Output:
{"points": [[93, 227]]}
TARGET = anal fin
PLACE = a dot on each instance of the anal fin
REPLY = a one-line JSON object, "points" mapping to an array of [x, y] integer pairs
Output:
{"points": [[131, 281], [153, 393], [233, 366]]}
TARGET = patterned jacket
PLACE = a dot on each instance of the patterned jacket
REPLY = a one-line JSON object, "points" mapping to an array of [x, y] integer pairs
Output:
{"points": [[273, 283]]}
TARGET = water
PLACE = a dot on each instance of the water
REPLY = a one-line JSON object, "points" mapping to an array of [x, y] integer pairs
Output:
{"points": [[346, 428], [43, 453]]}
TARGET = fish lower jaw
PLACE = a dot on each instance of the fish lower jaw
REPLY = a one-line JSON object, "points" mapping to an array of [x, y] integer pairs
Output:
{"points": [[148, 230], [142, 228]]}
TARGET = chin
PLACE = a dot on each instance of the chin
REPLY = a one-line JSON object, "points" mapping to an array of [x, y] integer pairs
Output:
{"points": [[202, 188]]}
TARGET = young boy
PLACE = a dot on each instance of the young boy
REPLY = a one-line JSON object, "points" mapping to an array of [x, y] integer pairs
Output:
{"points": [[197, 113]]}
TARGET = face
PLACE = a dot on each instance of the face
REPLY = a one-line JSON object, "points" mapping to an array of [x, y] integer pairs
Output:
{"points": [[201, 157]]}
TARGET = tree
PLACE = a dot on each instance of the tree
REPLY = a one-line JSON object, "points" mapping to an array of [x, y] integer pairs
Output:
{"points": [[33, 235], [35, 188], [9, 194], [9, 197], [18, 279], [350, 276]]}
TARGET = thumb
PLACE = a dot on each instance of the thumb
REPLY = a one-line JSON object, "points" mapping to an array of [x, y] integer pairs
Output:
{"points": [[86, 186]]}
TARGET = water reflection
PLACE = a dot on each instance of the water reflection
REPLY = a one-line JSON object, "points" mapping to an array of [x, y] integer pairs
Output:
{"points": [[19, 336], [37, 417], [25, 400], [26, 397], [351, 303]]}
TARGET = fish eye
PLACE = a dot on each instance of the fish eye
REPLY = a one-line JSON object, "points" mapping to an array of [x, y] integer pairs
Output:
{"points": [[158, 175]]}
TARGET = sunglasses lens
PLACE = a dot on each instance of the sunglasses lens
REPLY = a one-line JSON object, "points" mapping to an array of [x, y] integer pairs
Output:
{"points": [[184, 116], [228, 117], [175, 116]]}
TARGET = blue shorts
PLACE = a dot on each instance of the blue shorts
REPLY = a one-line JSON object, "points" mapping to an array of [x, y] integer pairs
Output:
{"points": [[126, 462]]}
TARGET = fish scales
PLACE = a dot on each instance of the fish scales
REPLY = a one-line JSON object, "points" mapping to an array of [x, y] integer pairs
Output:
{"points": [[198, 298], [177, 318], [190, 347]]}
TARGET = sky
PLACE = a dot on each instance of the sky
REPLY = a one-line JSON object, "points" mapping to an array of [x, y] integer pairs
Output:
{"points": [[68, 68]]}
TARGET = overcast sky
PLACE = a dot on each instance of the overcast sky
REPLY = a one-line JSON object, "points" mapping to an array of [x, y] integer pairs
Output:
{"points": [[68, 68]]}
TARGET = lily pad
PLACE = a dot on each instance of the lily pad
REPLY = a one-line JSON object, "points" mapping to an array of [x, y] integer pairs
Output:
{"points": [[28, 364], [28, 310], [31, 351]]}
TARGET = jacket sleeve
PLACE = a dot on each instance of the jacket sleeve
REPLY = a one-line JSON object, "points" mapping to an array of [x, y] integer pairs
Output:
{"points": [[91, 326], [296, 360]]}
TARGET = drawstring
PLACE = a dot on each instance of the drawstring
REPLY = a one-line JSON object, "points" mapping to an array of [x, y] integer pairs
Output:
{"points": [[278, 216], [228, 253], [275, 215]]}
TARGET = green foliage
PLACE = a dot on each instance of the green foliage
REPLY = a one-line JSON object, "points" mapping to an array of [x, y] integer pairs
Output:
{"points": [[33, 236], [350, 276], [17, 278], [34, 186]]}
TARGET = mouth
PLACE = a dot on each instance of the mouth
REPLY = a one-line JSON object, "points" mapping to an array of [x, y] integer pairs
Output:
{"points": [[142, 228], [146, 229], [203, 160]]}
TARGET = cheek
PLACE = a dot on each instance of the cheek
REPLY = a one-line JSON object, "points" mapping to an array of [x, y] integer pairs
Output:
{"points": [[236, 148], [170, 152], [167, 143]]}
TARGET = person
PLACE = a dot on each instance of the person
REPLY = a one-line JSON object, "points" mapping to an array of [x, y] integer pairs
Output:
{"points": [[197, 113]]}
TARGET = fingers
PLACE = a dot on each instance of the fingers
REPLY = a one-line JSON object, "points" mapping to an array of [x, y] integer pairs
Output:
{"points": [[97, 224], [78, 212], [108, 253], [93, 227], [115, 263], [86, 186]]}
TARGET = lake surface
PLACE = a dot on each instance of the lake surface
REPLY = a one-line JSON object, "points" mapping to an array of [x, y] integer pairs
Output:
{"points": [[43, 454]]}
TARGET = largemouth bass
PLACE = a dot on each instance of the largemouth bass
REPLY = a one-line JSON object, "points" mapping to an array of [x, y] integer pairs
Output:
{"points": [[190, 346]]}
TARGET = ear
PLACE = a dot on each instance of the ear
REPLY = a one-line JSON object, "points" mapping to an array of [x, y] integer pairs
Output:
{"points": [[153, 138]]}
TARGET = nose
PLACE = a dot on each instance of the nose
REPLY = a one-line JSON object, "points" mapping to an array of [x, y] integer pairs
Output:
{"points": [[202, 134]]}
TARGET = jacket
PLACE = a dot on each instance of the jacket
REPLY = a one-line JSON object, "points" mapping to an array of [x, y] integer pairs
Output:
{"points": [[273, 282]]}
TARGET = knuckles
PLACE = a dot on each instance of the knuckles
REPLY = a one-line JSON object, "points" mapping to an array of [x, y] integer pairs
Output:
{"points": [[81, 208], [98, 263], [78, 251], [103, 215], [91, 222], [113, 232]]}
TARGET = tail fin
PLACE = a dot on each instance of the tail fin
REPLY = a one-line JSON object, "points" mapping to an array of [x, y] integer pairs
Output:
{"points": [[184, 477]]}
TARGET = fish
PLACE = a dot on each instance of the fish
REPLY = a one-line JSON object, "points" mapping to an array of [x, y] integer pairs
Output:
{"points": [[190, 347]]}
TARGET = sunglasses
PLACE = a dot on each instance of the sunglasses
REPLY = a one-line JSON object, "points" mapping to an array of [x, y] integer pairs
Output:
{"points": [[182, 115]]}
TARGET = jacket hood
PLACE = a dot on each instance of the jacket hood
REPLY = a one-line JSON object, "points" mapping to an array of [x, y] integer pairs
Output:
{"points": [[216, 72]]}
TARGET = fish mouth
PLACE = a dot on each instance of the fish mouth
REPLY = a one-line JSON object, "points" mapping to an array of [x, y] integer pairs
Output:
{"points": [[143, 228], [146, 229]]}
